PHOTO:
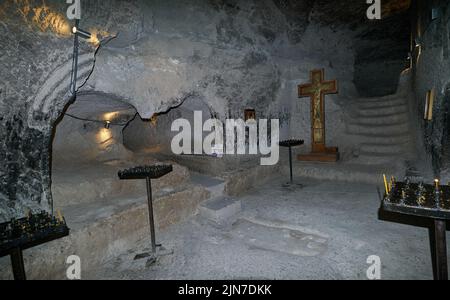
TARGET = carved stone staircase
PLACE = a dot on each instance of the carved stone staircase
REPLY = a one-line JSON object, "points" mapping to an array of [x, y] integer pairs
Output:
{"points": [[381, 130]]}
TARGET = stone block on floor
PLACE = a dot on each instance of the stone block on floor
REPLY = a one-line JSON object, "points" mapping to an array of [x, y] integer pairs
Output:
{"points": [[221, 210]]}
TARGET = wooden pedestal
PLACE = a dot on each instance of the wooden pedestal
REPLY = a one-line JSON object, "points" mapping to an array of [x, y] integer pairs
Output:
{"points": [[330, 155]]}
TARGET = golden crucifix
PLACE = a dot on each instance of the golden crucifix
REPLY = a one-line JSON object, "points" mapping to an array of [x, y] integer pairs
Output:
{"points": [[317, 90]]}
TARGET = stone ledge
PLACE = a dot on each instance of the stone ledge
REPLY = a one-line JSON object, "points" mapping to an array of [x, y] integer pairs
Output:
{"points": [[344, 172], [100, 231], [85, 184], [239, 182]]}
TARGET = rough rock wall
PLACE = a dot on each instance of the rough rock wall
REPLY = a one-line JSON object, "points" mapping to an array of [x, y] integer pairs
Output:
{"points": [[154, 55], [263, 71], [380, 46], [156, 136], [31, 49], [431, 61], [381, 57]]}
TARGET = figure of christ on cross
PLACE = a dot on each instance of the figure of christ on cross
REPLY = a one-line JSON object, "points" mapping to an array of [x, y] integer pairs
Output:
{"points": [[317, 90]]}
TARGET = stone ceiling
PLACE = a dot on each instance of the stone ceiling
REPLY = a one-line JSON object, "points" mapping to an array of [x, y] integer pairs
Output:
{"points": [[331, 12]]}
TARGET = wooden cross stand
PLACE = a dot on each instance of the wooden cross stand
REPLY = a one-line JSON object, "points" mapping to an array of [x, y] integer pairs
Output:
{"points": [[317, 91]]}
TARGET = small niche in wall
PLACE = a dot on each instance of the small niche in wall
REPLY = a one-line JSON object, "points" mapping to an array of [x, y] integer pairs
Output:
{"points": [[429, 104], [435, 13], [250, 114]]}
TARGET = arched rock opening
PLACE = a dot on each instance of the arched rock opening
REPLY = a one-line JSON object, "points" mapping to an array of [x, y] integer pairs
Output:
{"points": [[87, 147], [155, 135]]}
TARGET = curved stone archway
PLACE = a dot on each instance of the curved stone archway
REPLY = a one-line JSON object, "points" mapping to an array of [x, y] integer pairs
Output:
{"points": [[87, 149], [27, 180]]}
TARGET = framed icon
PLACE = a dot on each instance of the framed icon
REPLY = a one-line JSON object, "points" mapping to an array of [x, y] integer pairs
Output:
{"points": [[250, 114]]}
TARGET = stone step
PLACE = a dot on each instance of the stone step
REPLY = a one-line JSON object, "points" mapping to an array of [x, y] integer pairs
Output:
{"points": [[381, 104], [215, 186], [398, 95], [221, 210], [382, 120], [388, 149], [383, 139], [345, 171], [357, 115], [381, 111], [395, 129], [371, 158]]}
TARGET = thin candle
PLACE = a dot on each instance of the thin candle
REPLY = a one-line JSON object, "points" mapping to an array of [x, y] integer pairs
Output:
{"points": [[437, 183], [386, 184]]}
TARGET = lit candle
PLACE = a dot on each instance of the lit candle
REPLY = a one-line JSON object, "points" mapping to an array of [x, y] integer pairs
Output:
{"points": [[60, 217], [436, 182], [386, 184]]}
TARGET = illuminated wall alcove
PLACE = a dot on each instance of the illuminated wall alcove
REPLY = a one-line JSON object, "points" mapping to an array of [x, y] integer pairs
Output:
{"points": [[87, 149]]}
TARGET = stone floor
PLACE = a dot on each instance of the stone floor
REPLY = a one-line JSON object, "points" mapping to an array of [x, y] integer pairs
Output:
{"points": [[325, 231]]}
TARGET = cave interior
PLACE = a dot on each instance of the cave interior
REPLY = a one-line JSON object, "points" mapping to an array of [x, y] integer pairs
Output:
{"points": [[148, 64]]}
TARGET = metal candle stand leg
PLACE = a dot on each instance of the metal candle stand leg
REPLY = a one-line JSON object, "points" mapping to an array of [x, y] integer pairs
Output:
{"points": [[291, 183], [157, 250], [151, 220], [290, 165], [441, 249], [18, 265], [291, 170], [151, 215], [148, 173], [290, 144]]}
